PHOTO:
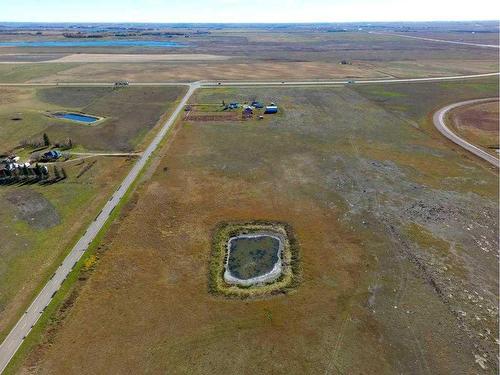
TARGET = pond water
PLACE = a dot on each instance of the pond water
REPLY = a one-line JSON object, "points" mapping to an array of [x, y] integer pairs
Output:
{"points": [[77, 117], [252, 257], [94, 43]]}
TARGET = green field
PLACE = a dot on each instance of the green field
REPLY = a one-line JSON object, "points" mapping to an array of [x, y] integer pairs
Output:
{"points": [[397, 230], [129, 115], [26, 72]]}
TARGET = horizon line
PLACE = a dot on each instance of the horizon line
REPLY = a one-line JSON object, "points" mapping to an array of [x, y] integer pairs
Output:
{"points": [[249, 22]]}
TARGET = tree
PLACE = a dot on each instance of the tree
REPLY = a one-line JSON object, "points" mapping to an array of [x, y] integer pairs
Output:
{"points": [[57, 175], [44, 172], [46, 140], [67, 144], [15, 174], [38, 171], [25, 171]]}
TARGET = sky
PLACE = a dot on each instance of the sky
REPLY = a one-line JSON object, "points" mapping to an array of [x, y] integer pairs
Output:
{"points": [[272, 11]]}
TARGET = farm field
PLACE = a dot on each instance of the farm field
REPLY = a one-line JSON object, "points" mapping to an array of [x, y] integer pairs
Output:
{"points": [[242, 70], [39, 223], [478, 124], [190, 71], [378, 201], [255, 55]]}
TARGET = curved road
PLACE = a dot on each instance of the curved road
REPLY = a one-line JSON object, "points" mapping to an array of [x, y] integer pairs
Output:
{"points": [[16, 336], [439, 123]]}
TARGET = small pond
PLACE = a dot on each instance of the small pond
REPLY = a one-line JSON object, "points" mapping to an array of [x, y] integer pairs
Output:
{"points": [[253, 258], [77, 117]]}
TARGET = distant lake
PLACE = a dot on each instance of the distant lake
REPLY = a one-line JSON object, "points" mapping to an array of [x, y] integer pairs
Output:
{"points": [[94, 43]]}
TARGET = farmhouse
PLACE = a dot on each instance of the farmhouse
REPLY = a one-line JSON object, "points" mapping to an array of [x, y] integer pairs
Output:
{"points": [[51, 155], [11, 163], [9, 166]]}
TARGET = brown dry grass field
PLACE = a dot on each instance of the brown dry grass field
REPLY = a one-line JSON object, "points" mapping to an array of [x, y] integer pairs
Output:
{"points": [[256, 70], [110, 57], [256, 55], [470, 37], [478, 124], [391, 282], [217, 70]]}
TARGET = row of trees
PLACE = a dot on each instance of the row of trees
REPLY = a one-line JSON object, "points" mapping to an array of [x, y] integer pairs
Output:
{"points": [[46, 142], [36, 174]]}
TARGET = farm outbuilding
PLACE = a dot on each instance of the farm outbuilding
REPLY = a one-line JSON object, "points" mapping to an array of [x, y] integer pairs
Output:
{"points": [[247, 112], [271, 109]]}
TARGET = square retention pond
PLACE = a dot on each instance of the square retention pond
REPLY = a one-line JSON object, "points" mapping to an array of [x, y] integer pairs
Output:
{"points": [[253, 258]]}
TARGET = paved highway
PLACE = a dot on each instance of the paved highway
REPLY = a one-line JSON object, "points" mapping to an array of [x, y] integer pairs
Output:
{"points": [[264, 83], [438, 40], [104, 153], [439, 123], [91, 84], [16, 336], [341, 82]]}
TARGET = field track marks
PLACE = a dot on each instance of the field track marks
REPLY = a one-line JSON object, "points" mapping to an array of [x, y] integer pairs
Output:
{"points": [[338, 343], [417, 347]]}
